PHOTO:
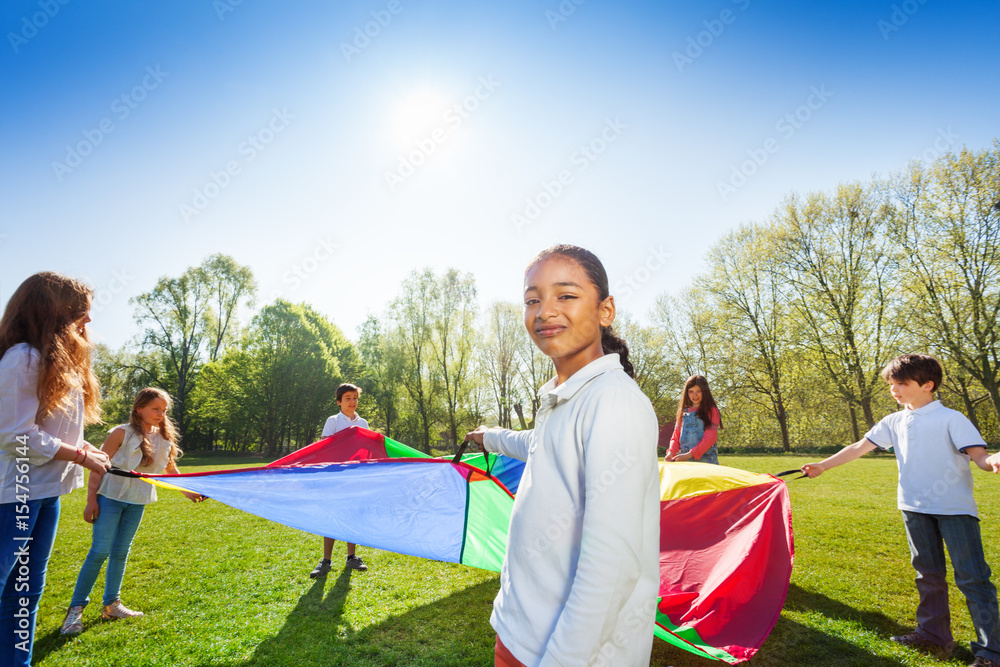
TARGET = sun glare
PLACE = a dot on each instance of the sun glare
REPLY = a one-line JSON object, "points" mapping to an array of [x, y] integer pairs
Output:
{"points": [[417, 115]]}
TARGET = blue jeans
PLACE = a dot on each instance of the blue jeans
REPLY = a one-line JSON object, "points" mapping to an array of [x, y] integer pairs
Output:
{"points": [[22, 573], [928, 534], [114, 529]]}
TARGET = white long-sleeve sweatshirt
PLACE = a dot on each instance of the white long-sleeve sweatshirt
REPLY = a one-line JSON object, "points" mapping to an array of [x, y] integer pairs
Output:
{"points": [[21, 437], [581, 576]]}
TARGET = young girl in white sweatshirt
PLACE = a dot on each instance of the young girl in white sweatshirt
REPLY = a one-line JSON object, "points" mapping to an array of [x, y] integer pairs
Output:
{"points": [[581, 576]]}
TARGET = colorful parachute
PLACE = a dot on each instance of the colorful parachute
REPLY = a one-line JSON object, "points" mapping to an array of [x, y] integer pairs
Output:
{"points": [[725, 534], [725, 558], [362, 487]]}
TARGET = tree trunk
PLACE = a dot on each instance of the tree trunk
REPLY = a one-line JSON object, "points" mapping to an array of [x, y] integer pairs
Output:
{"points": [[854, 422], [994, 393], [520, 416], [970, 407], [866, 408], [786, 445]]}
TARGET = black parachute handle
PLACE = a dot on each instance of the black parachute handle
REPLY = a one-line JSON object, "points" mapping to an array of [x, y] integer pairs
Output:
{"points": [[125, 473], [461, 450]]}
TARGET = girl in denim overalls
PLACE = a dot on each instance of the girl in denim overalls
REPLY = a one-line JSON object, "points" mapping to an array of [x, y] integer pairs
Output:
{"points": [[697, 425]]}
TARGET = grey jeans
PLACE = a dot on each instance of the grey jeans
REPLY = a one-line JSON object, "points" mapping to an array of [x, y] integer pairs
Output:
{"points": [[928, 534]]}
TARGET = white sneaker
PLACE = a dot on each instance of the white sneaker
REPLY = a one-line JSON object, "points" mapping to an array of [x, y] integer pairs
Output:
{"points": [[73, 625], [117, 610]]}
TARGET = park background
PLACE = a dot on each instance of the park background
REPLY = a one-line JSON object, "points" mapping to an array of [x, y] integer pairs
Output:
{"points": [[270, 199]]}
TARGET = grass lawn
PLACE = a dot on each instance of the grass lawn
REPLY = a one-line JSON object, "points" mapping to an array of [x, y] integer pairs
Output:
{"points": [[221, 587]]}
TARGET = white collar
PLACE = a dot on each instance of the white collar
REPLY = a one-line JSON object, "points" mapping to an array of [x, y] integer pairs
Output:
{"points": [[577, 380]]}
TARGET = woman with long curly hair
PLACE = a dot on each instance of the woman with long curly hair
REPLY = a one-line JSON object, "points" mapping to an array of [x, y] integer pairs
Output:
{"points": [[48, 392]]}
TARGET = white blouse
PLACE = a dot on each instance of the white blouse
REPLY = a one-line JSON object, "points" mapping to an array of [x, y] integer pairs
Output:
{"points": [[38, 443], [582, 572], [129, 457]]}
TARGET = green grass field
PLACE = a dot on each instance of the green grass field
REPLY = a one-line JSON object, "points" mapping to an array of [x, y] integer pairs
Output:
{"points": [[221, 587]]}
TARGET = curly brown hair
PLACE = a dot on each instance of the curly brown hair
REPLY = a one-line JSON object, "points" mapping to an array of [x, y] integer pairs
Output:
{"points": [[46, 312]]}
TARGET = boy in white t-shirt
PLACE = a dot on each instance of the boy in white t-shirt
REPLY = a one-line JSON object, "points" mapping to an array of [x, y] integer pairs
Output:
{"points": [[347, 400], [933, 446]]}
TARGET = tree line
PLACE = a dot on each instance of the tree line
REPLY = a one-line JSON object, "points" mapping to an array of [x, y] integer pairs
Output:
{"points": [[791, 321]]}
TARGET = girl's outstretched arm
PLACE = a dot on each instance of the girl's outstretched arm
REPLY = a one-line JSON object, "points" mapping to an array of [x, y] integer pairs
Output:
{"points": [[190, 495], [514, 444]]}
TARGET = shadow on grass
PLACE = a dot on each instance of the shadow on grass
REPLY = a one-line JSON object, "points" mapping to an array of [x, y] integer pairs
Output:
{"points": [[793, 644], [453, 631], [800, 599], [53, 641]]}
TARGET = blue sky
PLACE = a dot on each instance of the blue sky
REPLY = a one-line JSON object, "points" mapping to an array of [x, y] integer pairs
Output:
{"points": [[139, 138]]}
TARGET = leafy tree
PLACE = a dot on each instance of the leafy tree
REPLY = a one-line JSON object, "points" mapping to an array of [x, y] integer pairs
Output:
{"points": [[282, 379], [689, 332], [453, 319], [229, 285], [837, 259], [503, 335], [654, 372], [381, 378], [181, 323], [948, 230], [752, 298], [412, 316], [174, 314]]}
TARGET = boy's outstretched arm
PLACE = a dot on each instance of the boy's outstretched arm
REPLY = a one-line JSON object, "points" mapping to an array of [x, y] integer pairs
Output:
{"points": [[979, 456], [845, 455]]}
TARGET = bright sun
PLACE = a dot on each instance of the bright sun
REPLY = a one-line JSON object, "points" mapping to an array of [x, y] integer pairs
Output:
{"points": [[417, 115]]}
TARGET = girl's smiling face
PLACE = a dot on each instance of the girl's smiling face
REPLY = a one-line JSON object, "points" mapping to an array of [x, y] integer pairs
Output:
{"points": [[564, 314], [694, 395]]}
